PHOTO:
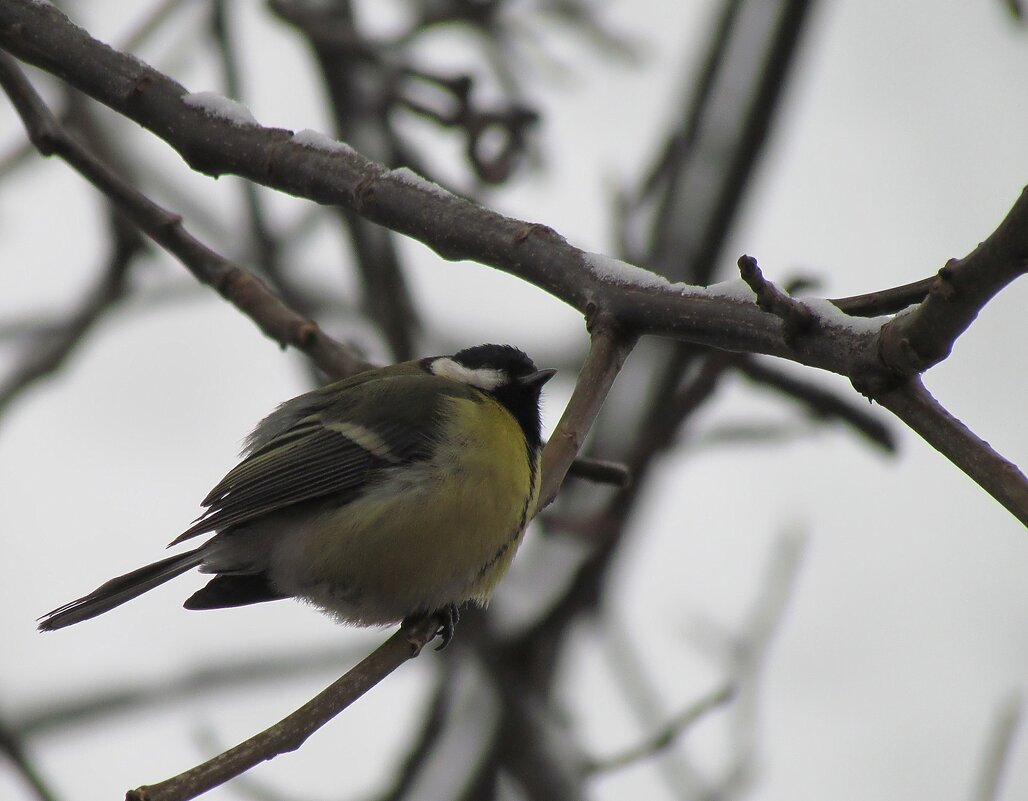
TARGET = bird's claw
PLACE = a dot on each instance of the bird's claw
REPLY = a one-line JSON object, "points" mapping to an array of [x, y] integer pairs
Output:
{"points": [[448, 617], [444, 619]]}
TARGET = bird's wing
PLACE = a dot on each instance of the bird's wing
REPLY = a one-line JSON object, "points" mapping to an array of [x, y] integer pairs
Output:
{"points": [[324, 452]]}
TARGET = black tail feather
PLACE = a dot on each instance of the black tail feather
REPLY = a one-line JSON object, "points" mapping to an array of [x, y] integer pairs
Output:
{"points": [[223, 592], [120, 590]]}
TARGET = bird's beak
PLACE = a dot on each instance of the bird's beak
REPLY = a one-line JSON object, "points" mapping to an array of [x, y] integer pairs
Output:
{"points": [[538, 378]]}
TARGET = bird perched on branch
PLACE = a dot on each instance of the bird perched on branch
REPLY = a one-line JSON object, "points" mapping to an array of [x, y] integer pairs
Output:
{"points": [[400, 492]]}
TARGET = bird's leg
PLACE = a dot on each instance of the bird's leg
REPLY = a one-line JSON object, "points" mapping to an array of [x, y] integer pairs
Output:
{"points": [[445, 618], [448, 618]]}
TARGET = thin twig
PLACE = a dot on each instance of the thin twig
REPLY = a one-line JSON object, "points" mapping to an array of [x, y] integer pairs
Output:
{"points": [[914, 405], [59, 713], [265, 246], [746, 656], [357, 87], [769, 74], [687, 234], [293, 730], [666, 736], [607, 354], [452, 226], [821, 402], [432, 727], [796, 317], [748, 433], [633, 677], [662, 426], [11, 746], [53, 348], [998, 750], [234, 283], [137, 36], [457, 229], [600, 471], [884, 301], [913, 342]]}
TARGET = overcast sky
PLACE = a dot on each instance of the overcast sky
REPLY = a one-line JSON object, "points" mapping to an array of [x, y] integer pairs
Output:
{"points": [[902, 144]]}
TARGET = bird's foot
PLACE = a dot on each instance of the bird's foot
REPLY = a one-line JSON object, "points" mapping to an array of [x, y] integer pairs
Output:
{"points": [[448, 617], [445, 620]]}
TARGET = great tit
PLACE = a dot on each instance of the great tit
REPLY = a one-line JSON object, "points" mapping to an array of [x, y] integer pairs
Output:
{"points": [[399, 492]]}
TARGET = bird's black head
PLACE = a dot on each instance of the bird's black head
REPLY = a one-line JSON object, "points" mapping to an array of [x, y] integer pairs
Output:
{"points": [[506, 373]]}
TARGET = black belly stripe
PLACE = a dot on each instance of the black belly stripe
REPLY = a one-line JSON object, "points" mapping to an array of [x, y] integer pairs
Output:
{"points": [[533, 471]]}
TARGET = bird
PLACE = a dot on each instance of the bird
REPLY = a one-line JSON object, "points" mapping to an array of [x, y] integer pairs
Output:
{"points": [[399, 493]]}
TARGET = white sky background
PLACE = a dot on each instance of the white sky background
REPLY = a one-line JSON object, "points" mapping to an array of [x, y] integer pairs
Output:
{"points": [[903, 143]]}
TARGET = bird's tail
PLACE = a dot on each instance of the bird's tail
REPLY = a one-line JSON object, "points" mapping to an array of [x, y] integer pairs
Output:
{"points": [[119, 590]]}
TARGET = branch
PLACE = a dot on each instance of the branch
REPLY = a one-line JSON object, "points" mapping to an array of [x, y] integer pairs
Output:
{"points": [[820, 402], [692, 221], [666, 737], [607, 354], [11, 746], [992, 265], [632, 300], [884, 301], [242, 289], [432, 727], [918, 340], [600, 471], [632, 668], [914, 405], [455, 228], [746, 656], [997, 750], [264, 247], [795, 316], [355, 87], [60, 713], [292, 731], [662, 427], [54, 347]]}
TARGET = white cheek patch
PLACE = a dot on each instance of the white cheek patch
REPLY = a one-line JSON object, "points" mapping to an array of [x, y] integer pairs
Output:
{"points": [[487, 378]]}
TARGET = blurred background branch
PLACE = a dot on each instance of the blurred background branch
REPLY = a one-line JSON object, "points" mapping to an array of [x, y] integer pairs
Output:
{"points": [[456, 92]]}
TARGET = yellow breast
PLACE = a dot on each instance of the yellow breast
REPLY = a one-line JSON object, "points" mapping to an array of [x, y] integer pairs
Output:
{"points": [[437, 532]]}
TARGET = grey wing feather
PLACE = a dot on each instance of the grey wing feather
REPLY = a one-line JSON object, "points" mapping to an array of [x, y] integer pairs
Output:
{"points": [[309, 449], [306, 462]]}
